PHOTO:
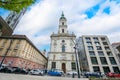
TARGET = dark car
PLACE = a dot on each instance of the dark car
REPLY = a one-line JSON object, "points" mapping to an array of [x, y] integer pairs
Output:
{"points": [[6, 69], [92, 74], [19, 70], [54, 72]]}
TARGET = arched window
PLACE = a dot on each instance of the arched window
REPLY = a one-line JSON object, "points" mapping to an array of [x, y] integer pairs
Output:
{"points": [[63, 48], [62, 23], [63, 41], [62, 30]]}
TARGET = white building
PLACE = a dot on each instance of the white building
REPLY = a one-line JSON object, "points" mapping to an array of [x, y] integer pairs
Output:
{"points": [[13, 18], [96, 54], [61, 55]]}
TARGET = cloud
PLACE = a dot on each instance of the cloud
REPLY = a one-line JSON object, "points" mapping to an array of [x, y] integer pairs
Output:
{"points": [[43, 18]]}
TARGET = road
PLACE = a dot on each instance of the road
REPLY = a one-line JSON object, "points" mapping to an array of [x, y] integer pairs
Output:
{"points": [[6, 76]]}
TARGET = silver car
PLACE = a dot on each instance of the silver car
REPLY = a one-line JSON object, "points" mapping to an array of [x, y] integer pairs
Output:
{"points": [[36, 72]]}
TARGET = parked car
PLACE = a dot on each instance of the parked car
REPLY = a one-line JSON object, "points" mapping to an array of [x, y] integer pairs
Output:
{"points": [[54, 72], [72, 72], [6, 70], [92, 74], [44, 71], [36, 72], [111, 74], [19, 70]]}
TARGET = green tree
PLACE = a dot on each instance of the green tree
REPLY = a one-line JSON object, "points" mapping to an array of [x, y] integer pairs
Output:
{"points": [[15, 5]]}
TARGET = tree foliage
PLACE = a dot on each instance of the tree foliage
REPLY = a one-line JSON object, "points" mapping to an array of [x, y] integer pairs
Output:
{"points": [[15, 5]]}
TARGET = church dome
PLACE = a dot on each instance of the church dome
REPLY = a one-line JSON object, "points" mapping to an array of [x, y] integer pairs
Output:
{"points": [[62, 17]]}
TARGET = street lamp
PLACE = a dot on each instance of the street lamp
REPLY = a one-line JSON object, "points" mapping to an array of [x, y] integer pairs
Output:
{"points": [[76, 58], [6, 53]]}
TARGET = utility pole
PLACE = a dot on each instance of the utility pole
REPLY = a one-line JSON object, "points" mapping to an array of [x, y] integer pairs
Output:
{"points": [[76, 58], [6, 53]]}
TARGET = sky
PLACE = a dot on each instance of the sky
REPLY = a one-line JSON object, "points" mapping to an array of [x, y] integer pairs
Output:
{"points": [[84, 17]]}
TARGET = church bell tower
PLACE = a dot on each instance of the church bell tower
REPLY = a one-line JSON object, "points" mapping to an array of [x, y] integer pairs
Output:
{"points": [[62, 24]]}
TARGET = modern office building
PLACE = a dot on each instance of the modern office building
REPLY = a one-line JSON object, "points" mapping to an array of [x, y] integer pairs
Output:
{"points": [[116, 49], [96, 54], [19, 51], [61, 55], [13, 18]]}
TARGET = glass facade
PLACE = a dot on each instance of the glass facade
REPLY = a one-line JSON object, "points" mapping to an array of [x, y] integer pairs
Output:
{"points": [[94, 60], [116, 70], [103, 60], [112, 60], [92, 53], [106, 69], [100, 53], [96, 68], [90, 48]]}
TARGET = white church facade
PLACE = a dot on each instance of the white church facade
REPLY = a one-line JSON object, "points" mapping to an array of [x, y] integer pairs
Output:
{"points": [[62, 55]]}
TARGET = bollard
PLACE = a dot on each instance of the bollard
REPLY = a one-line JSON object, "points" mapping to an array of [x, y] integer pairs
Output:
{"points": [[73, 75]]}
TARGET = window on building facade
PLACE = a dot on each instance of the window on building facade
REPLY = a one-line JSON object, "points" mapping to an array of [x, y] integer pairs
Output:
{"points": [[1, 49], [8, 22], [116, 70], [63, 41], [17, 46], [103, 60], [53, 65], [87, 38], [92, 53], [112, 60], [97, 43], [62, 30], [107, 48], [89, 43], [94, 60], [4, 43], [105, 43], [63, 48], [90, 48], [95, 38], [106, 69], [96, 68], [62, 23], [103, 38], [100, 53], [73, 65], [98, 48], [109, 53]]}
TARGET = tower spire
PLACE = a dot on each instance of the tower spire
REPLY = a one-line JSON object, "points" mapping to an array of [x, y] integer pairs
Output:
{"points": [[62, 14]]}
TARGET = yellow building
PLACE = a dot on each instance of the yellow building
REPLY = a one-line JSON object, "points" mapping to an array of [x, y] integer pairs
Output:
{"points": [[21, 52]]}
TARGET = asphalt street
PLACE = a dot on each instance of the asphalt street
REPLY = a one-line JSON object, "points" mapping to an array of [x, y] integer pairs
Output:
{"points": [[6, 76]]}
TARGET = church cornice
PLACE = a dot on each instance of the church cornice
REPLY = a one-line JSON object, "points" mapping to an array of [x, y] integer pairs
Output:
{"points": [[62, 60], [61, 52], [63, 35]]}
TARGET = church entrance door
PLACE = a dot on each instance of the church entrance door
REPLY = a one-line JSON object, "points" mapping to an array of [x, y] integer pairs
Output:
{"points": [[64, 67]]}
